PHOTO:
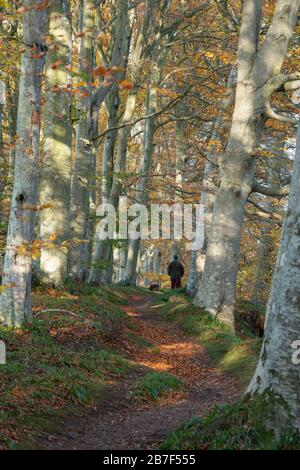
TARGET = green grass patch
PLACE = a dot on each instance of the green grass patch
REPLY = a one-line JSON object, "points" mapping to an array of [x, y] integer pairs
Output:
{"points": [[155, 384], [236, 355], [60, 362], [242, 426], [139, 340]]}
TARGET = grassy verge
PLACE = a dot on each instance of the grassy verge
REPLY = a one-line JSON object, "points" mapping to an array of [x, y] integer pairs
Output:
{"points": [[154, 384], [236, 354], [62, 361], [241, 426]]}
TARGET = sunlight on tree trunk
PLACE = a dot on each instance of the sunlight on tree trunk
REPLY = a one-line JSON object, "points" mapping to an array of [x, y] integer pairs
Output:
{"points": [[15, 300], [83, 165], [278, 372], [258, 77], [56, 168]]}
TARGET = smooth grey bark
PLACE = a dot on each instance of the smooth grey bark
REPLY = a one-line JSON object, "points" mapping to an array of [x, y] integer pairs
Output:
{"points": [[141, 187], [56, 167], [15, 300], [102, 259], [12, 94], [210, 183], [119, 260], [83, 165], [3, 163], [262, 264], [88, 134], [102, 250], [156, 261], [265, 240], [107, 171], [121, 30], [278, 371], [180, 154], [158, 56], [258, 77]]}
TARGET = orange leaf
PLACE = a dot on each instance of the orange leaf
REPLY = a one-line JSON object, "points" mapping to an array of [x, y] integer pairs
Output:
{"points": [[100, 70], [56, 64], [125, 85]]}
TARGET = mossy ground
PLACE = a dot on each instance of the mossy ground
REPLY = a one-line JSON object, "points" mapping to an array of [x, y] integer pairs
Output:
{"points": [[62, 361], [236, 355], [154, 384], [241, 426]]}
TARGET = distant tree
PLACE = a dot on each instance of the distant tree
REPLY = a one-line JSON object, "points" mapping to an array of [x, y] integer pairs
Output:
{"points": [[84, 158]]}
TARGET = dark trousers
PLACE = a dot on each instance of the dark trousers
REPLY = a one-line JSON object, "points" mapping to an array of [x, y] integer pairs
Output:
{"points": [[175, 282]]}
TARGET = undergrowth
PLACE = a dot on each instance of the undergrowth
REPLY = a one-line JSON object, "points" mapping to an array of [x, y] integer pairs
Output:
{"points": [[63, 360], [154, 384], [241, 426], [236, 355]]}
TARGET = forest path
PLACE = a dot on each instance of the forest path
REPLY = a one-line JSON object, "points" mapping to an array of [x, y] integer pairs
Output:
{"points": [[121, 421]]}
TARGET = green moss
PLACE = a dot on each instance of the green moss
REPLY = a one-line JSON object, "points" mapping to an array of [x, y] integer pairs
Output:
{"points": [[234, 354], [244, 425], [165, 295], [59, 361], [154, 384]]}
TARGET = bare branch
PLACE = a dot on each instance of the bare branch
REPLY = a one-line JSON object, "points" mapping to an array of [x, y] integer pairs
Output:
{"points": [[271, 114], [143, 118], [270, 190], [273, 215]]}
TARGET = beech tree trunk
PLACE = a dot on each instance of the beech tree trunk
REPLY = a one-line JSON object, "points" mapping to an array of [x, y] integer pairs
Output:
{"points": [[103, 253], [278, 372], [102, 250], [12, 94], [56, 168], [258, 77], [83, 165], [180, 150], [15, 300], [158, 58], [3, 165], [141, 188], [210, 183]]}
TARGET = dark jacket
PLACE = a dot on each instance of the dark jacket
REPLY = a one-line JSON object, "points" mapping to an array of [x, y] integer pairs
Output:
{"points": [[175, 269]]}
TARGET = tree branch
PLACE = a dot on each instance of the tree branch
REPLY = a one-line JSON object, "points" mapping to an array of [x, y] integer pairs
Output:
{"points": [[262, 209], [272, 191], [143, 118]]}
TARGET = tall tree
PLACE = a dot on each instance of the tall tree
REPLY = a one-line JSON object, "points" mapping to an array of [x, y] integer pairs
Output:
{"points": [[258, 78], [103, 250], [210, 183], [277, 374], [102, 268], [141, 187], [56, 167], [3, 165], [83, 166], [158, 54], [15, 301]]}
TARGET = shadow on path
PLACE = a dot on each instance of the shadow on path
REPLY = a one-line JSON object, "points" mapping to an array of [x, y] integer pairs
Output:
{"points": [[123, 422]]}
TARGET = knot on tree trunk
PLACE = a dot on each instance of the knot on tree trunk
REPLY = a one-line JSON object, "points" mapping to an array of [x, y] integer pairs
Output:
{"points": [[21, 197]]}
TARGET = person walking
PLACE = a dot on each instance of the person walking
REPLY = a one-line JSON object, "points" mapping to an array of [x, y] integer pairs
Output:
{"points": [[175, 271]]}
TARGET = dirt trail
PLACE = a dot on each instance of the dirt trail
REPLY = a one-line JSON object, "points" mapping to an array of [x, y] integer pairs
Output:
{"points": [[122, 422]]}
